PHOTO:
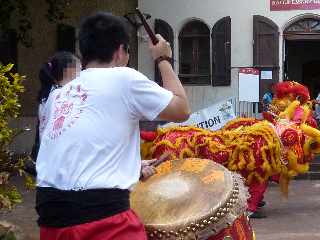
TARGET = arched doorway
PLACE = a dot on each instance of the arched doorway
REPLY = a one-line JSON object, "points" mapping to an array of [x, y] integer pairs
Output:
{"points": [[302, 52]]}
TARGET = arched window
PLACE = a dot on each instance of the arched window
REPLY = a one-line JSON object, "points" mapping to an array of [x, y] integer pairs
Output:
{"points": [[303, 29], [307, 25], [194, 53]]}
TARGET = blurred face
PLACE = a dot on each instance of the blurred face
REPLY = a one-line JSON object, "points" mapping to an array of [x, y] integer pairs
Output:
{"points": [[71, 72]]}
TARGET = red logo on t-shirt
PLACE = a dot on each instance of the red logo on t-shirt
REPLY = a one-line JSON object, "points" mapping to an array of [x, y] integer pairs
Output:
{"points": [[67, 107]]}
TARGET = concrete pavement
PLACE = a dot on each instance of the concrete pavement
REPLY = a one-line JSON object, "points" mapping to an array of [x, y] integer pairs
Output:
{"points": [[297, 218]]}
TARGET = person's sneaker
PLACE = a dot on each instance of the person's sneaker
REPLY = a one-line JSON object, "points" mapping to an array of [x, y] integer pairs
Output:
{"points": [[261, 204], [256, 214]]}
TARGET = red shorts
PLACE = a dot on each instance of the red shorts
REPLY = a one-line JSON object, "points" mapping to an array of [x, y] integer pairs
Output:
{"points": [[123, 226]]}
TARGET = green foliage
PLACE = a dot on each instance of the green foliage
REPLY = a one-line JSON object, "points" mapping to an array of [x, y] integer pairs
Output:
{"points": [[8, 231], [10, 88], [8, 236], [30, 184]]}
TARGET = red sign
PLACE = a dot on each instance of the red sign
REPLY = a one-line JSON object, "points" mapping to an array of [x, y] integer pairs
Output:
{"points": [[283, 5], [252, 71]]}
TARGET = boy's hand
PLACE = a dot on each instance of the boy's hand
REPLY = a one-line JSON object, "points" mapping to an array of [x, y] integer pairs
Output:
{"points": [[161, 49], [147, 170]]}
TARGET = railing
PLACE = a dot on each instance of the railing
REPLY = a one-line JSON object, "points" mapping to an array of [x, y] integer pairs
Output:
{"points": [[245, 109]]}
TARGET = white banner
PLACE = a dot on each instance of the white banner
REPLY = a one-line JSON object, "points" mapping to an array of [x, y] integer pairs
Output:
{"points": [[213, 117]]}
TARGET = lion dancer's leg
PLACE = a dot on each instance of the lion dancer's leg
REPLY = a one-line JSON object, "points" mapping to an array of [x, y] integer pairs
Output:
{"points": [[256, 191], [275, 178]]}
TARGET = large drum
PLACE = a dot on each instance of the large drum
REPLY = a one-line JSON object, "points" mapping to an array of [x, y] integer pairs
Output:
{"points": [[193, 199]]}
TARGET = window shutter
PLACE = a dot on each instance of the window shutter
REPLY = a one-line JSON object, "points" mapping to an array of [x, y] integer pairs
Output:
{"points": [[265, 42], [221, 52], [8, 48], [266, 50], [164, 29], [66, 38]]}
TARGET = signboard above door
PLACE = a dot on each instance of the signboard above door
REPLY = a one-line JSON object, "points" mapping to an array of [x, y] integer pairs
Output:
{"points": [[285, 5]]}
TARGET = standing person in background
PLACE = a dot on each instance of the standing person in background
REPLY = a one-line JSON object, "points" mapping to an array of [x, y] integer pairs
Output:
{"points": [[267, 110], [266, 100], [317, 110], [89, 156], [62, 68]]}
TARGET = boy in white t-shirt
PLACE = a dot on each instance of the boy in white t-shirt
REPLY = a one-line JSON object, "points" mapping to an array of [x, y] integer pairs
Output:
{"points": [[89, 156]]}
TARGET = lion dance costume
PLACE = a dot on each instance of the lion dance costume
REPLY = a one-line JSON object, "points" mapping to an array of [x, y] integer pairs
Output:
{"points": [[286, 93], [257, 149]]}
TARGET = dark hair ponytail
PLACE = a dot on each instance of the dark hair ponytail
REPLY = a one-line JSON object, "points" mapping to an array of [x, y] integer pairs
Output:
{"points": [[51, 73]]}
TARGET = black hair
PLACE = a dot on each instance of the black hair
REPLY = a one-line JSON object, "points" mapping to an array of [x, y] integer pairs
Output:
{"points": [[51, 73], [101, 35]]}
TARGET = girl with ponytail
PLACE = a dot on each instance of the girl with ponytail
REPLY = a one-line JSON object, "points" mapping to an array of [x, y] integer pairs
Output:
{"points": [[62, 68], [58, 71]]}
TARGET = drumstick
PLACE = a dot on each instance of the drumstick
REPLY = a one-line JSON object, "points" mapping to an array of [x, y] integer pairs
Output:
{"points": [[147, 27], [161, 159]]}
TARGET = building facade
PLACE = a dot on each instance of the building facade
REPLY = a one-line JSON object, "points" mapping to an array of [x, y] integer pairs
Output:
{"points": [[214, 39]]}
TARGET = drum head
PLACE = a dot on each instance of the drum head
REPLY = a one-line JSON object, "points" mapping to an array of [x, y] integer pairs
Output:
{"points": [[182, 193]]}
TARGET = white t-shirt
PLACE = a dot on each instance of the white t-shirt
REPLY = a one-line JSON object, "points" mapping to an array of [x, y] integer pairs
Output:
{"points": [[91, 138], [44, 108], [42, 116]]}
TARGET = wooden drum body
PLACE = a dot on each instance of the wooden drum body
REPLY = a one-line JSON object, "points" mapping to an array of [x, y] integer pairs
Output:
{"points": [[192, 199]]}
